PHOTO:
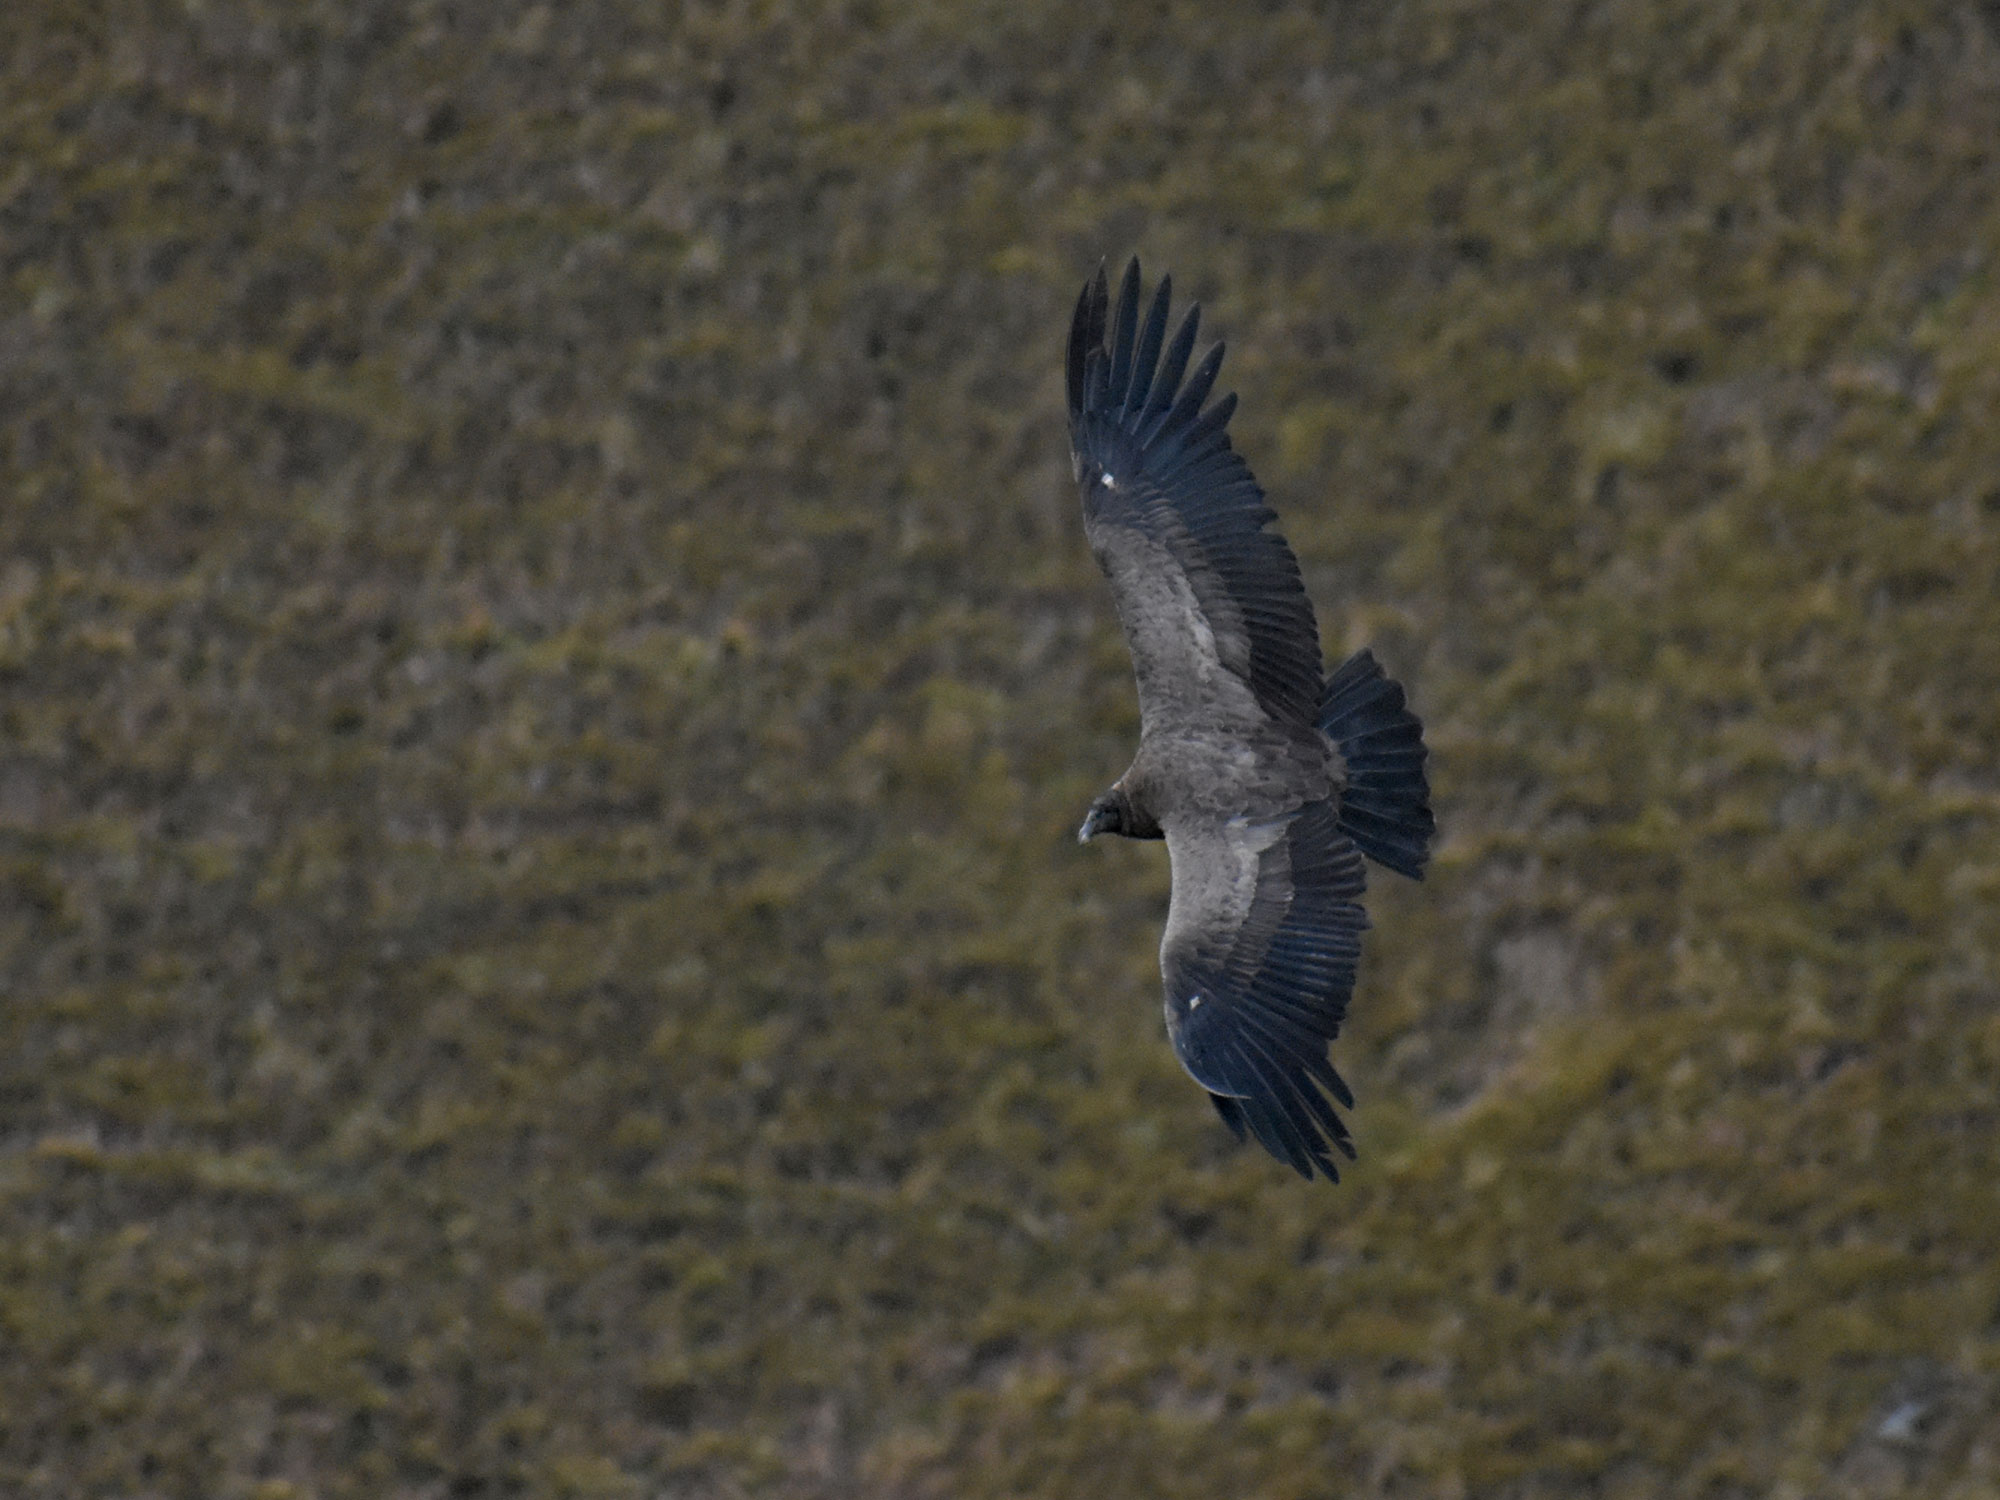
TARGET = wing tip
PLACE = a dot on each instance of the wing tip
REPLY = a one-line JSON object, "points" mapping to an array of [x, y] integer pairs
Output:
{"points": [[1086, 338], [1116, 373]]}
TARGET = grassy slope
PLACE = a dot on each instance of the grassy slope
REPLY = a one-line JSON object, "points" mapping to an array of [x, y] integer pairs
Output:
{"points": [[547, 667]]}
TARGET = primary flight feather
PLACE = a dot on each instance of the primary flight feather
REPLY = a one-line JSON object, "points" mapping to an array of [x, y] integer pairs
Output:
{"points": [[1267, 777]]}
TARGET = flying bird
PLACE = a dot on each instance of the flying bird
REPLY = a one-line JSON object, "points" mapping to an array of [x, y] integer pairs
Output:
{"points": [[1268, 777]]}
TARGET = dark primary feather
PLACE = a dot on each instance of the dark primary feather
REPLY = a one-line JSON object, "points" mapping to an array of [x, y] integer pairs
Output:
{"points": [[1181, 485], [1252, 1012], [1121, 333], [1140, 384]]}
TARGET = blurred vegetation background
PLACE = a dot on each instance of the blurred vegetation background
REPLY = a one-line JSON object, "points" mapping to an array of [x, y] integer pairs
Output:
{"points": [[548, 669]]}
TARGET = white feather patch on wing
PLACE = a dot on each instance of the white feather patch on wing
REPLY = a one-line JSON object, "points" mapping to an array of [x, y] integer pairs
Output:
{"points": [[1215, 869], [1187, 659]]}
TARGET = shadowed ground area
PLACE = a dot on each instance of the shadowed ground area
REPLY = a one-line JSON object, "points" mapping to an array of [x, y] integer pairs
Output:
{"points": [[548, 669]]}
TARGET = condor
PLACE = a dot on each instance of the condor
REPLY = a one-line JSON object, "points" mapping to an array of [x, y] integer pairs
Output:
{"points": [[1268, 778]]}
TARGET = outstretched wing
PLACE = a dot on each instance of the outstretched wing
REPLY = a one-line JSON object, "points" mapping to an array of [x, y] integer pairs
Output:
{"points": [[1263, 937], [1215, 614]]}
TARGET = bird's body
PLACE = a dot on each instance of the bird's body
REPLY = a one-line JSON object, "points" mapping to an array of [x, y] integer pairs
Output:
{"points": [[1266, 778]]}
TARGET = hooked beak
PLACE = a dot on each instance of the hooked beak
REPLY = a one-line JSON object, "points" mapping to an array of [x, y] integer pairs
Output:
{"points": [[1093, 825]]}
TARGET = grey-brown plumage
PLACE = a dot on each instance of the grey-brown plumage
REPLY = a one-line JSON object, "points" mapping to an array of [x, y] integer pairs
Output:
{"points": [[1267, 778]]}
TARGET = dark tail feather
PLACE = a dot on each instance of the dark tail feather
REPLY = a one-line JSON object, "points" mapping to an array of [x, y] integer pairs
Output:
{"points": [[1386, 808]]}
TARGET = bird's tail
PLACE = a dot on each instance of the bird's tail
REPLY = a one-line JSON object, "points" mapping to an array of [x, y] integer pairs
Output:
{"points": [[1386, 806]]}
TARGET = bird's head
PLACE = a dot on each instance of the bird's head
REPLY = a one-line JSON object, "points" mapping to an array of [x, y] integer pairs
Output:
{"points": [[1114, 812], [1106, 815]]}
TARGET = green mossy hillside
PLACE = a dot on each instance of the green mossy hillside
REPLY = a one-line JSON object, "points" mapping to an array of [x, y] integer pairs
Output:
{"points": [[548, 669]]}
